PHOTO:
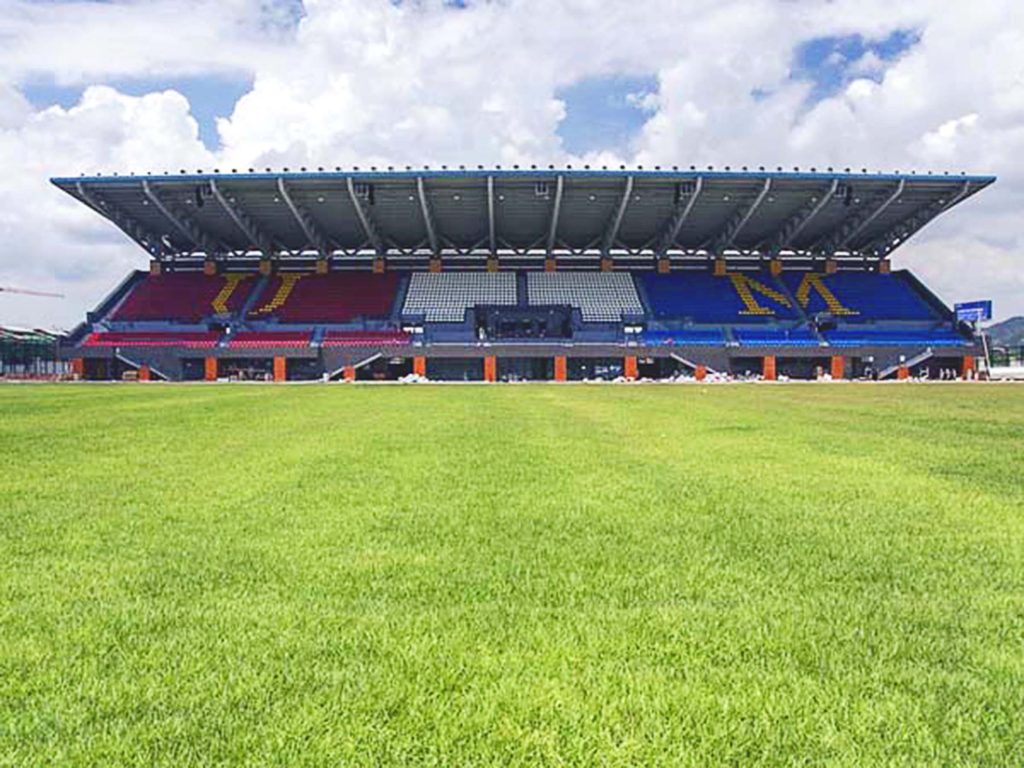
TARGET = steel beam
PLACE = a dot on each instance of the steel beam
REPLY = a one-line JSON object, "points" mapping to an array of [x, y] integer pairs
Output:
{"points": [[149, 242], [797, 223], [739, 220], [857, 227], [887, 243], [313, 235], [612, 231], [258, 240], [556, 211], [183, 224], [670, 231], [369, 226], [492, 234], [428, 219]]}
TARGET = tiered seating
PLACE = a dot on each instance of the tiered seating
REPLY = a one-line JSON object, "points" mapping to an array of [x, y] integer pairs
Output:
{"points": [[260, 340], [894, 338], [197, 340], [600, 296], [766, 337], [365, 338], [701, 297], [858, 296], [688, 337], [185, 297], [341, 297], [444, 297]]}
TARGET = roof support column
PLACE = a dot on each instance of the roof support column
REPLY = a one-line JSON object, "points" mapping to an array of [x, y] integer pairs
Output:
{"points": [[556, 211], [612, 231], [428, 219], [369, 227], [313, 235]]}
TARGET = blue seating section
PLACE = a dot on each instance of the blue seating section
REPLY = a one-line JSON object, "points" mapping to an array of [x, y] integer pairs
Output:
{"points": [[704, 298], [894, 338], [794, 337], [871, 296], [695, 338]]}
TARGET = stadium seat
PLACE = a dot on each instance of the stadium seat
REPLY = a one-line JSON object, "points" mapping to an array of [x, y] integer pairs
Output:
{"points": [[340, 297], [701, 297], [185, 297], [198, 340], [365, 338], [681, 338], [259, 339], [767, 337], [600, 296], [857, 337], [859, 296], [444, 297]]}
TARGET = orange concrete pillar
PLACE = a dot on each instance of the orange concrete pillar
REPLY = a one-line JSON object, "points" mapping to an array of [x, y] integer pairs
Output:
{"points": [[210, 369], [155, 267], [266, 266], [561, 368], [607, 264], [78, 367], [884, 267], [664, 266], [435, 265], [768, 368], [378, 266], [700, 372], [490, 368], [967, 367], [903, 373], [209, 267], [419, 366], [144, 373], [775, 267], [280, 368], [838, 367], [323, 266], [348, 373], [831, 266], [550, 265], [629, 367], [720, 267], [492, 264]]}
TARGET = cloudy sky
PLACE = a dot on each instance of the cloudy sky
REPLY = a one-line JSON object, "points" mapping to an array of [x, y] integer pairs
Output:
{"points": [[147, 85]]}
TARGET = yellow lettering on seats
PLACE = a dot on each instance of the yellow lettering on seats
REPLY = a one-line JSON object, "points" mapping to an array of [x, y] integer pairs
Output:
{"points": [[220, 301], [812, 280], [288, 281], [745, 289]]}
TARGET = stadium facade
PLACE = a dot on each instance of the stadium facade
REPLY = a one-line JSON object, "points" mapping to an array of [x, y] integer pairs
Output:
{"points": [[520, 274]]}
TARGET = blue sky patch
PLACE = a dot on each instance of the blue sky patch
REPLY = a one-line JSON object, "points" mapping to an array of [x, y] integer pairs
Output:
{"points": [[603, 112], [826, 62], [211, 96]]}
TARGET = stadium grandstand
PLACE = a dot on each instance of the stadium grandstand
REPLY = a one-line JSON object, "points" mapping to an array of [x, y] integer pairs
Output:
{"points": [[32, 354], [459, 274]]}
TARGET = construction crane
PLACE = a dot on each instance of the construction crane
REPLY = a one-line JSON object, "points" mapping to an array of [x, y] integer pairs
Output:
{"points": [[26, 292]]}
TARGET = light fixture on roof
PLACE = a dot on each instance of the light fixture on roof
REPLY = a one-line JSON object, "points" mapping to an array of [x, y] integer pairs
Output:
{"points": [[725, 197], [285, 169], [444, 167], [456, 197], [321, 199], [657, 167], [593, 198], [216, 170]]}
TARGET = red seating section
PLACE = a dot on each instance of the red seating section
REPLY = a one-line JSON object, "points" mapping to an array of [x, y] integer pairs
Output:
{"points": [[185, 297], [365, 338], [333, 298], [260, 340], [155, 339]]}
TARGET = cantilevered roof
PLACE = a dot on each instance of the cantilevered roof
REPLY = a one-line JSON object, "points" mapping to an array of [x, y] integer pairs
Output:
{"points": [[526, 212]]}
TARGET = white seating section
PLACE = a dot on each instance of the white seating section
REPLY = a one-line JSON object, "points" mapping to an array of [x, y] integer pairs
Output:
{"points": [[600, 296], [444, 297]]}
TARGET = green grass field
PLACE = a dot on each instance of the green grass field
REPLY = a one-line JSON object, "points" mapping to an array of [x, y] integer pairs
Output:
{"points": [[534, 575]]}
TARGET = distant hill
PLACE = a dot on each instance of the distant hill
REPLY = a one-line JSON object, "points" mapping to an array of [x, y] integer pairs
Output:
{"points": [[1009, 333]]}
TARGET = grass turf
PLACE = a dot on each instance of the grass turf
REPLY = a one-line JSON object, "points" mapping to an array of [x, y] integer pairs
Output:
{"points": [[790, 575]]}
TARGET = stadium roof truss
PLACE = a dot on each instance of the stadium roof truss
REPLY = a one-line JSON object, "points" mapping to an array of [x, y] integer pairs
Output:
{"points": [[634, 214]]}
